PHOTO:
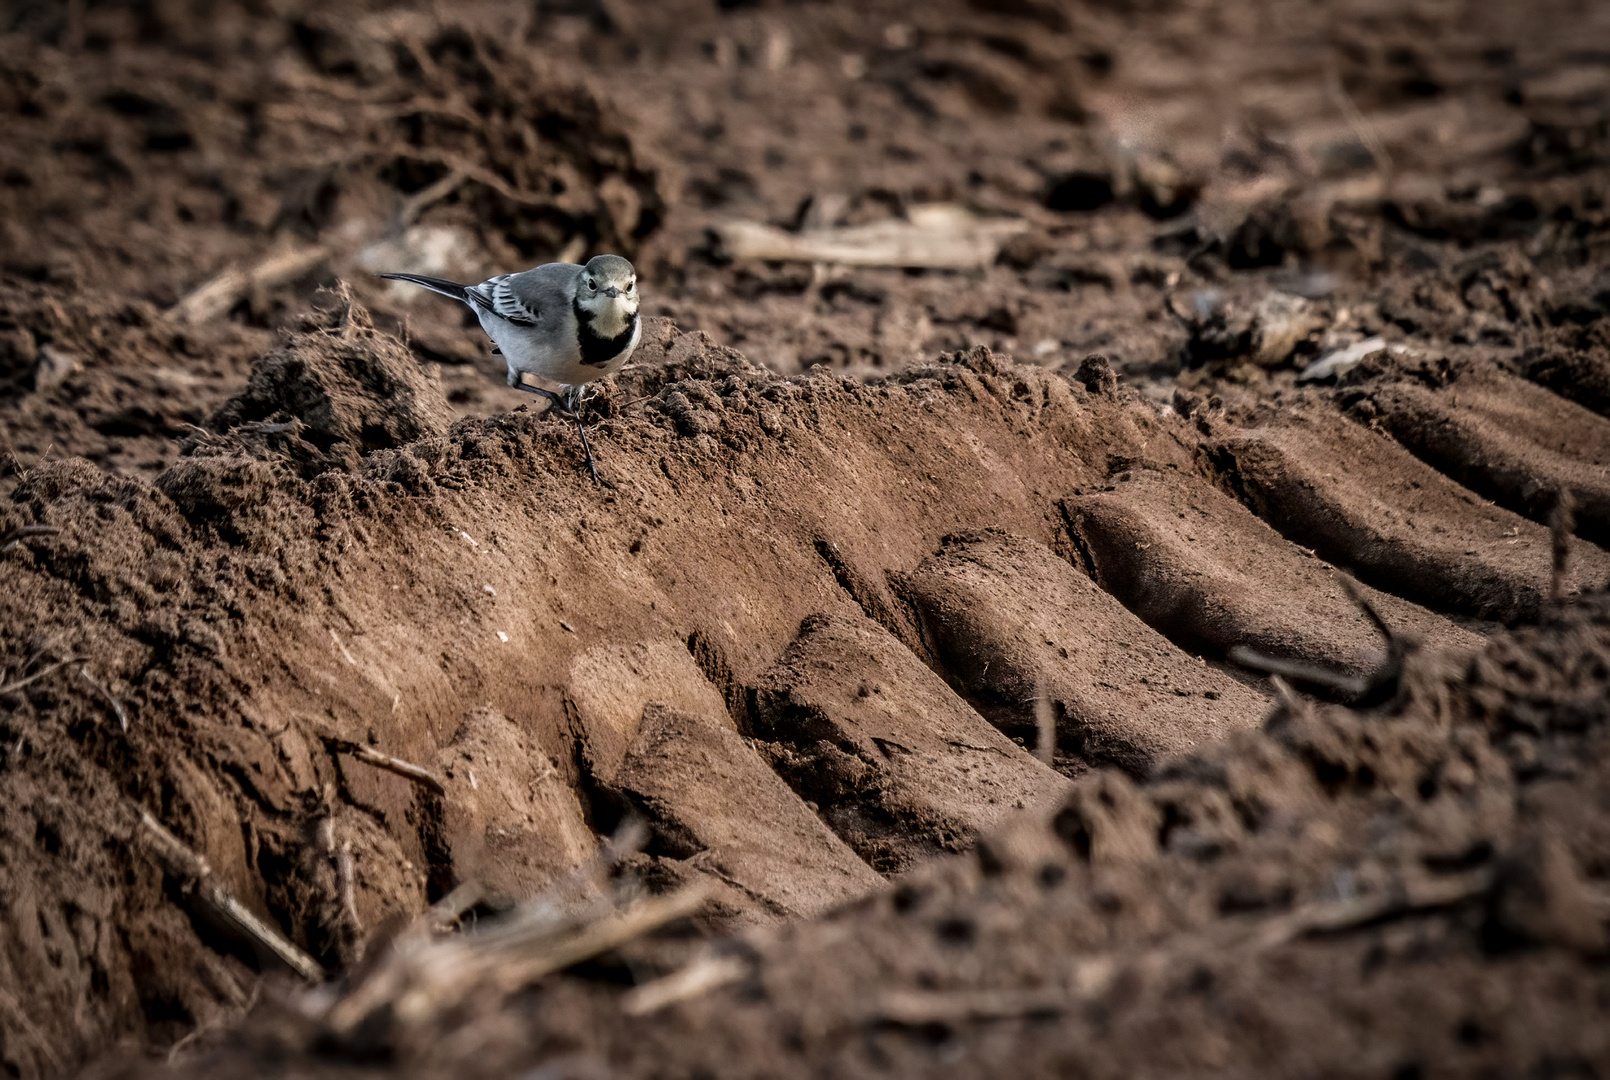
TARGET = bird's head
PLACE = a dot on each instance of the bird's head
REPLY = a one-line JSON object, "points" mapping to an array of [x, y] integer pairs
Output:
{"points": [[607, 291]]}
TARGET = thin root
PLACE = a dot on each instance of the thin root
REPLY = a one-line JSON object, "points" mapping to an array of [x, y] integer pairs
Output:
{"points": [[370, 756], [1362, 602], [17, 536], [180, 861], [12, 688], [117, 706], [1297, 671]]}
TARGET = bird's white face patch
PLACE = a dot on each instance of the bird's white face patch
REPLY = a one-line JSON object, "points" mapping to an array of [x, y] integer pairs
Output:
{"points": [[611, 314]]}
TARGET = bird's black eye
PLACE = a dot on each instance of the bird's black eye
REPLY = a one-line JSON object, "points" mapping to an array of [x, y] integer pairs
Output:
{"points": [[591, 284]]}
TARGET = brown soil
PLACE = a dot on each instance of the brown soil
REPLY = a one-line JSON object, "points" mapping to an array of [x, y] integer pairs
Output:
{"points": [[1504, 438], [1410, 889], [1014, 623], [1183, 555], [1363, 501], [936, 577]]}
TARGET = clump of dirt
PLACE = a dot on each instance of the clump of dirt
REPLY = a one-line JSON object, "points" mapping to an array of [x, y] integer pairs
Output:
{"points": [[831, 717], [1019, 628], [335, 392]]}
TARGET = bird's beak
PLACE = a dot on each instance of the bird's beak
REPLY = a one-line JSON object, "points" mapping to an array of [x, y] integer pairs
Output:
{"points": [[612, 292]]}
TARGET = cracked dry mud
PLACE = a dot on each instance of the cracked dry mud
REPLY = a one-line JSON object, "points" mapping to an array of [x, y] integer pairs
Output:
{"points": [[909, 619]]}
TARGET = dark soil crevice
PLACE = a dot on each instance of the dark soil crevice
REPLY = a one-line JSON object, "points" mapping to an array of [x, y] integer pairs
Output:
{"points": [[1073, 529], [874, 597], [428, 819], [712, 661]]}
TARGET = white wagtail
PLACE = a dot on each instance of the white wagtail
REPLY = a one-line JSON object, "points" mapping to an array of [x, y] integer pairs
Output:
{"points": [[563, 322]]}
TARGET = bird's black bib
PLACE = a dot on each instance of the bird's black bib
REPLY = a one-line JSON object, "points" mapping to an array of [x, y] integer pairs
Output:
{"points": [[596, 350]]}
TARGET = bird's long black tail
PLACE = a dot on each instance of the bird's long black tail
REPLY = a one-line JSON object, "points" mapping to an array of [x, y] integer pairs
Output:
{"points": [[434, 284]]}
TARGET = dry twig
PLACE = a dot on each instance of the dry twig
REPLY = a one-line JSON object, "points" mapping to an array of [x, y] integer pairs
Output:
{"points": [[916, 1008], [1362, 602], [1297, 671], [936, 237], [13, 687], [17, 536], [1288, 697], [512, 973], [1336, 916], [217, 296], [117, 706], [423, 972], [445, 913], [696, 979], [537, 940], [1378, 686], [178, 859], [340, 856], [370, 756]]}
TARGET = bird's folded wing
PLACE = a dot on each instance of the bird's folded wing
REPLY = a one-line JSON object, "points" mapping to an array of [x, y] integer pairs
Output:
{"points": [[500, 297]]}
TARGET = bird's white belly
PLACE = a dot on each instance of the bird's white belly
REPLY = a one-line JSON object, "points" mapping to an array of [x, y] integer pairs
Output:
{"points": [[525, 352]]}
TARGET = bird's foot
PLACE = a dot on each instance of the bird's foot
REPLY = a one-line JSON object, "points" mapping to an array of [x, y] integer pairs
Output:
{"points": [[556, 400]]}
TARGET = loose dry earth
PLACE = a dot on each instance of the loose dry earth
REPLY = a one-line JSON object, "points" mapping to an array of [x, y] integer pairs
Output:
{"points": [[914, 648]]}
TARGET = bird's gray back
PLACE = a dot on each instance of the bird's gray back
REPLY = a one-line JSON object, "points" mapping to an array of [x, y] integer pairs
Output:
{"points": [[547, 288]]}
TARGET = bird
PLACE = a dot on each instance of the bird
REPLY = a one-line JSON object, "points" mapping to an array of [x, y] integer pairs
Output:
{"points": [[569, 323]]}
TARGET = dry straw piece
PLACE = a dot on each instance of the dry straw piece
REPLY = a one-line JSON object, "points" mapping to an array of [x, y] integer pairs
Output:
{"points": [[426, 971]]}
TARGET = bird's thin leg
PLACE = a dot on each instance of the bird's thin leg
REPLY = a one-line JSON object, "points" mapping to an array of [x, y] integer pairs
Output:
{"points": [[581, 429], [575, 394]]}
